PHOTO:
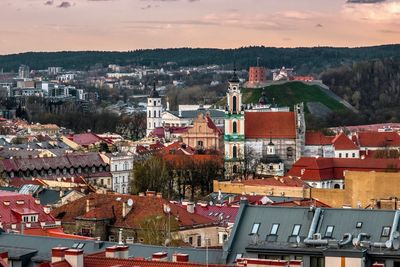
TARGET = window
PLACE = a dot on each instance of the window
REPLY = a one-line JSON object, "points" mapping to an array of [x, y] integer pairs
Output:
{"points": [[385, 231], [155, 103], [289, 152], [149, 113], [329, 231], [340, 155], [234, 152], [234, 104], [155, 114], [296, 230], [234, 126], [274, 229], [190, 240], [159, 113], [234, 169], [200, 143], [199, 240], [354, 155], [359, 225], [347, 155], [254, 229]]}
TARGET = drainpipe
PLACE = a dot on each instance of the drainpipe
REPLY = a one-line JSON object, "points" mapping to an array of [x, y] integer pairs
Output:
{"points": [[389, 243], [346, 240], [314, 224]]}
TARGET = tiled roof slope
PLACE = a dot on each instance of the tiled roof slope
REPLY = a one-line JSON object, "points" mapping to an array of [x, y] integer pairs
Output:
{"points": [[106, 205], [342, 142], [270, 125]]}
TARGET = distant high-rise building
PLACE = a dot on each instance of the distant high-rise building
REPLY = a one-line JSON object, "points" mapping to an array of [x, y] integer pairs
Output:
{"points": [[23, 72]]}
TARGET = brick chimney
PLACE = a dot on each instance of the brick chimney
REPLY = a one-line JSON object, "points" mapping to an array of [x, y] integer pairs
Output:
{"points": [[58, 254], [160, 256], [190, 207], [180, 257], [112, 252], [74, 257], [4, 256], [121, 252]]}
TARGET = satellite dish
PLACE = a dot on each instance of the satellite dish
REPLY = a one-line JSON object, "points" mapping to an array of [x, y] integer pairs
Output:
{"points": [[396, 244], [130, 202], [389, 244], [298, 240]]}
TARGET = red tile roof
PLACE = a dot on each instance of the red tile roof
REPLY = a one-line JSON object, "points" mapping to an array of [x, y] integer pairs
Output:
{"points": [[211, 124], [106, 205], [342, 142], [318, 139], [276, 181], [177, 148], [216, 213], [86, 139], [68, 160], [318, 169], [13, 205], [95, 261], [378, 139], [270, 125]]}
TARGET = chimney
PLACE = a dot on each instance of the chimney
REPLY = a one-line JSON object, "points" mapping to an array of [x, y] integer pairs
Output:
{"points": [[58, 254], [112, 252], [150, 193], [123, 252], [159, 195], [74, 257], [4, 256], [141, 194], [89, 205], [160, 256], [180, 257], [190, 207], [125, 209]]}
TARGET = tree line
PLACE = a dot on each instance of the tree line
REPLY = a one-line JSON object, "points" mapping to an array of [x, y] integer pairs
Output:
{"points": [[305, 60]]}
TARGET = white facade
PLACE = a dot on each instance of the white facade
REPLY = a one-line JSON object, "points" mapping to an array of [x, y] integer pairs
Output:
{"points": [[325, 151], [347, 154], [327, 184], [154, 112], [121, 171]]}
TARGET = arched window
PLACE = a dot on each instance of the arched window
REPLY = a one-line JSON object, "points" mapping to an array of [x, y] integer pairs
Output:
{"points": [[234, 169], [159, 113], [155, 125], [149, 113], [234, 152], [234, 104], [337, 186], [155, 114], [234, 126], [289, 152]]}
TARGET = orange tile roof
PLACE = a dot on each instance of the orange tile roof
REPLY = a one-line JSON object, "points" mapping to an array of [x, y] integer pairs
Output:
{"points": [[90, 261], [342, 142], [318, 139], [276, 181], [270, 125], [106, 205], [378, 139]]}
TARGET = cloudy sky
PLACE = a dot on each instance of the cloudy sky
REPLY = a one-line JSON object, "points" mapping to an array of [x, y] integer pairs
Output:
{"points": [[53, 25]]}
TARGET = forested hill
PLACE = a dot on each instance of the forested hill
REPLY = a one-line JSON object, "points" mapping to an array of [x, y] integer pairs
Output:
{"points": [[305, 60]]}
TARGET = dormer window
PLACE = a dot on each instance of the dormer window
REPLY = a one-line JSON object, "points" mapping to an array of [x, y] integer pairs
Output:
{"points": [[20, 202]]}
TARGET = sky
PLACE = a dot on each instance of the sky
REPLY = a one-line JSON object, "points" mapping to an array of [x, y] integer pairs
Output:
{"points": [[121, 25]]}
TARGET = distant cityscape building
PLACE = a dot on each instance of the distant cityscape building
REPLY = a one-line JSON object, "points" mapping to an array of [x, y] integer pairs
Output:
{"points": [[154, 109], [257, 75], [23, 72]]}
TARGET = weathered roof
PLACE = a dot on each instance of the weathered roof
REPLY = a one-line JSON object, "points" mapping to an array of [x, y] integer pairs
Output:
{"points": [[270, 125], [343, 221], [378, 139], [317, 139], [43, 246], [342, 142]]}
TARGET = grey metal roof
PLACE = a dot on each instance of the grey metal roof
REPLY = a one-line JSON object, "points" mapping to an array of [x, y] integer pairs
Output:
{"points": [[29, 189], [214, 113], [43, 245], [49, 197], [344, 221]]}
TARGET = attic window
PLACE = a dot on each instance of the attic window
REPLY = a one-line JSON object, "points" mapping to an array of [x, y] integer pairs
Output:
{"points": [[359, 225], [6, 203], [274, 229], [329, 230], [20, 202], [296, 229], [385, 231], [254, 229]]}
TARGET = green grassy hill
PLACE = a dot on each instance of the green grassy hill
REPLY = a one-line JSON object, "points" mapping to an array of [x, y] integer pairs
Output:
{"points": [[291, 93]]}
